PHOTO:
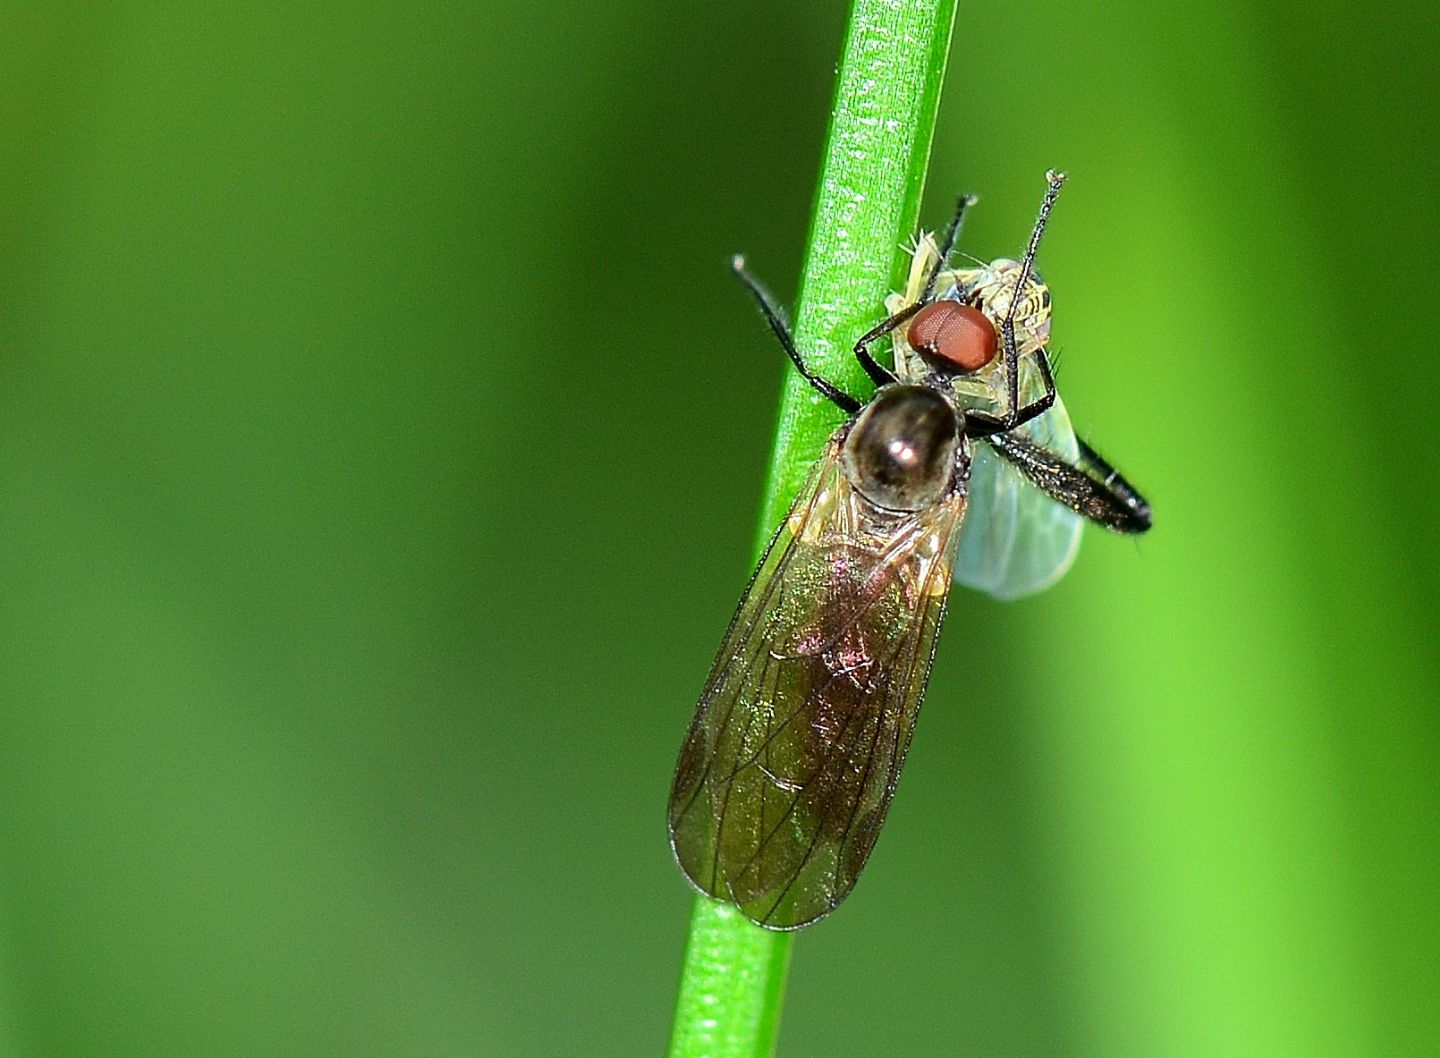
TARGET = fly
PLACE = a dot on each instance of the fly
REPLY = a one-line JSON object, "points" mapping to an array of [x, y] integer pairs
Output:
{"points": [[792, 758]]}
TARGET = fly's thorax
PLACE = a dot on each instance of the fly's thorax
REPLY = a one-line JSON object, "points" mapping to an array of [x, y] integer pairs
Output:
{"points": [[905, 450]]}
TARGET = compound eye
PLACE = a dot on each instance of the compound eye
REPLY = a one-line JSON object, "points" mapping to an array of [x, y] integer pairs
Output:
{"points": [[953, 335]]}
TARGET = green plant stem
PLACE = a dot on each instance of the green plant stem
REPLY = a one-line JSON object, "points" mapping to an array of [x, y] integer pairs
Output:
{"points": [[866, 206]]}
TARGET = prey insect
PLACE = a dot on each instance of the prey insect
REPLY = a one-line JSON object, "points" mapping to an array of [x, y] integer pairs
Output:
{"points": [[790, 763]]}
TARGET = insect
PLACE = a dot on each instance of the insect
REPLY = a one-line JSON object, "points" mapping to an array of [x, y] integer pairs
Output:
{"points": [[790, 763]]}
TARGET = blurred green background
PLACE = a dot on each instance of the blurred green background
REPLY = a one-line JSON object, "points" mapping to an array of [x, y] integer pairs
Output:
{"points": [[380, 442]]}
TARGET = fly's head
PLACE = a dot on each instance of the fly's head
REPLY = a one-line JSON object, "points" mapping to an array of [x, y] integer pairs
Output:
{"points": [[906, 450], [953, 338], [958, 334]]}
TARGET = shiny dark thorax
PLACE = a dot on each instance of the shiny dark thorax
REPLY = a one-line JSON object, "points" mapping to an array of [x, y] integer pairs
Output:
{"points": [[906, 450]]}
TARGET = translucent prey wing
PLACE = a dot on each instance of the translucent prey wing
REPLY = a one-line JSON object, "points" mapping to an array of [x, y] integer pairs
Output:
{"points": [[1017, 540], [789, 765]]}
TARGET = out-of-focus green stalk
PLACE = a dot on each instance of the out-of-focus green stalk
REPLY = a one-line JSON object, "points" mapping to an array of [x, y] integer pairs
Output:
{"points": [[866, 205]]}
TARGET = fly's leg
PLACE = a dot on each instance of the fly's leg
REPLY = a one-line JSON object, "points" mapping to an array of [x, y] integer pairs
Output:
{"points": [[776, 318]]}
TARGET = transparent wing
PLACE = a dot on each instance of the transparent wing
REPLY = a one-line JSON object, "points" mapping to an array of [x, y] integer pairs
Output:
{"points": [[1017, 540], [792, 758]]}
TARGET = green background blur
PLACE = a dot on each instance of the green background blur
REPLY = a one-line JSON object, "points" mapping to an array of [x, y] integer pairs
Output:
{"points": [[381, 437]]}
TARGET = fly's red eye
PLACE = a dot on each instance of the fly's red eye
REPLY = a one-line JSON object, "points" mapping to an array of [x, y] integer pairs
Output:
{"points": [[954, 334]]}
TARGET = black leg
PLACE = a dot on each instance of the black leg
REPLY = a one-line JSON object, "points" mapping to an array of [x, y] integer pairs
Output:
{"points": [[1012, 358], [1093, 489], [947, 244], [1056, 180], [776, 318], [979, 424], [1096, 466], [879, 374], [1015, 415]]}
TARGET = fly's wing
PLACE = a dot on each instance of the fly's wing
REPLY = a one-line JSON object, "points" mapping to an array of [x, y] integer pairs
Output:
{"points": [[1017, 540], [789, 765]]}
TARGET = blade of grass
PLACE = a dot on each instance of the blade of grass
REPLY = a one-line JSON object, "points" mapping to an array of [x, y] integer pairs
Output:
{"points": [[866, 205]]}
